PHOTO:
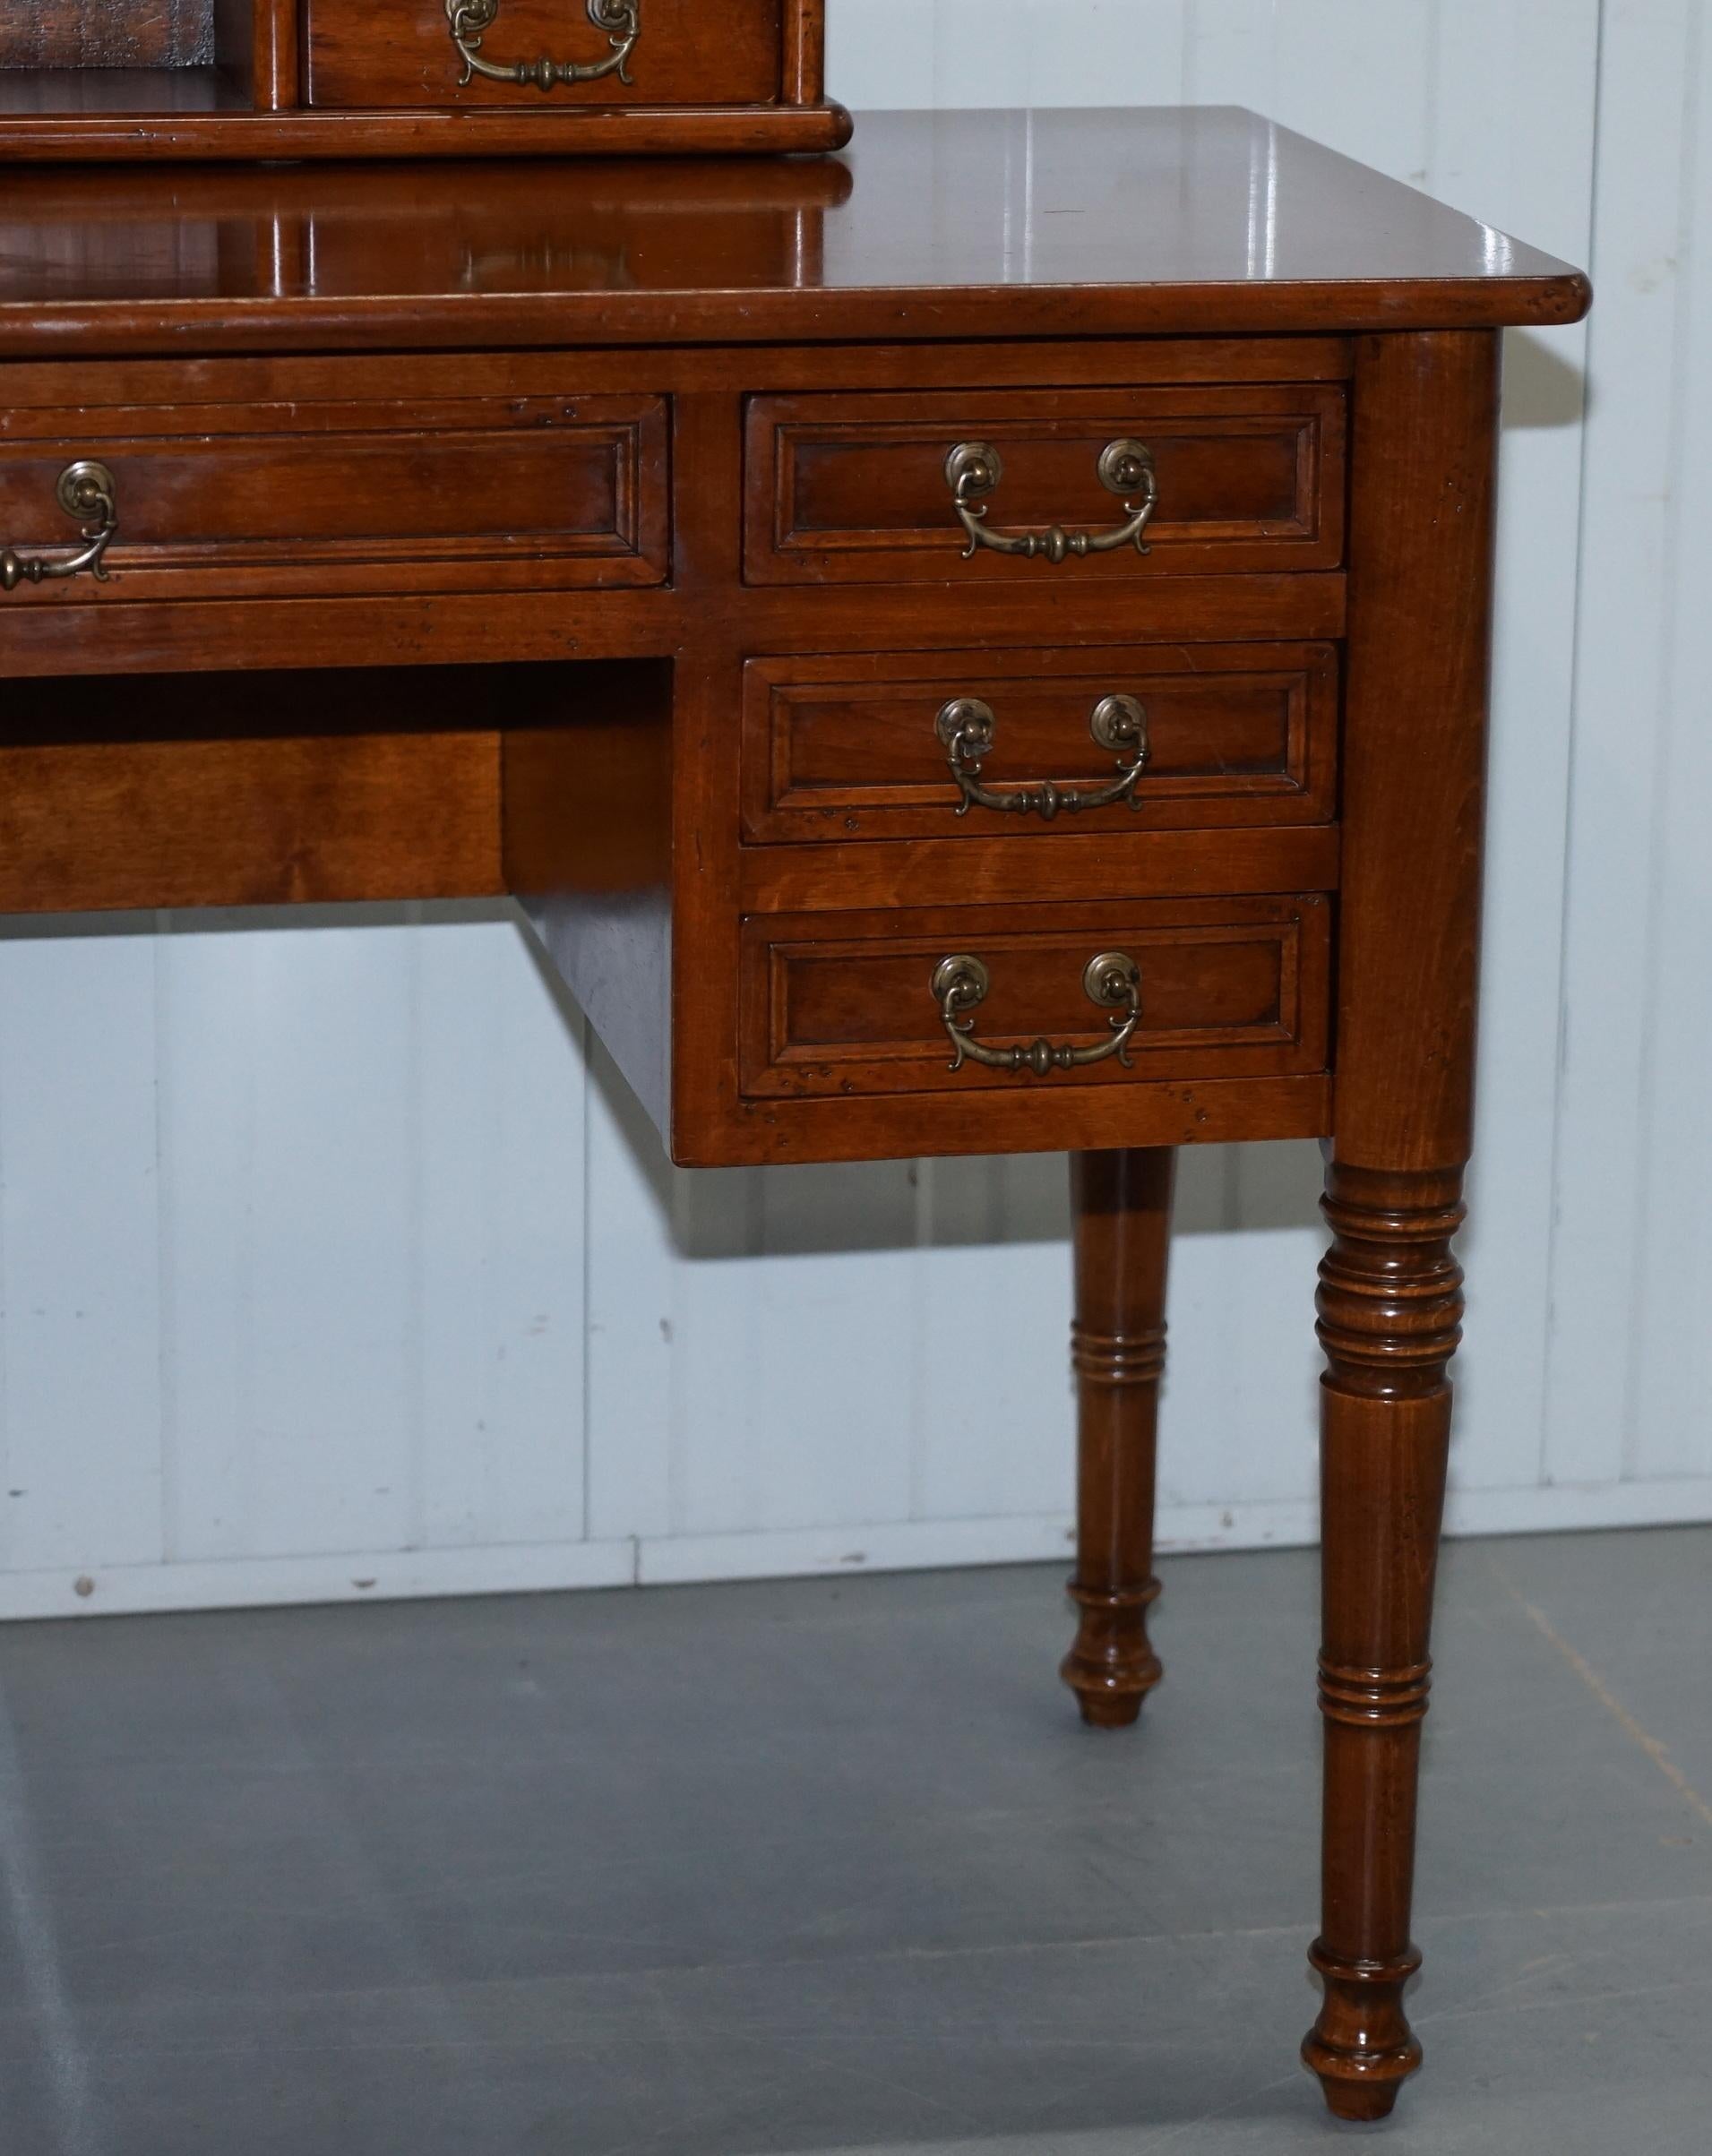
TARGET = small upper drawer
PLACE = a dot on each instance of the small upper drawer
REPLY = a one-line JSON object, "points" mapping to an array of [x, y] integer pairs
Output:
{"points": [[981, 743], [842, 1005], [419, 54], [890, 489], [343, 495]]}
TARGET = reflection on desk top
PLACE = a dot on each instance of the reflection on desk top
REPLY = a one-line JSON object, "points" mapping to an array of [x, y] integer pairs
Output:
{"points": [[1060, 223]]}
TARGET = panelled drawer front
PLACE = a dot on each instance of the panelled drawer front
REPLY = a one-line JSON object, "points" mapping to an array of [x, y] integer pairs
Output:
{"points": [[843, 1005], [857, 747], [387, 54], [854, 490], [491, 493]]}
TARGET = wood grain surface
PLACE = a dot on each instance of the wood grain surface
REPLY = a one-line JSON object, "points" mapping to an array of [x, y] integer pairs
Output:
{"points": [[1120, 1205], [1164, 243], [86, 33], [400, 57], [1390, 1300]]}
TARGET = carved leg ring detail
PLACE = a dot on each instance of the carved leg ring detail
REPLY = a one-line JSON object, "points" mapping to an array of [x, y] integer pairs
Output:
{"points": [[1112, 1666], [1391, 1313], [1122, 1202]]}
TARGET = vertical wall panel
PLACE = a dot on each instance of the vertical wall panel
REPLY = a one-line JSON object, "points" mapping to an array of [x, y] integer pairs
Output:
{"points": [[327, 1305], [1077, 54], [875, 40], [375, 1245], [1672, 1332], [901, 55], [816, 1257], [1631, 590], [1266, 1359], [989, 1293], [1515, 103], [1362, 79], [633, 1277], [499, 1151], [980, 52], [1231, 54], [208, 1142], [80, 1328]]}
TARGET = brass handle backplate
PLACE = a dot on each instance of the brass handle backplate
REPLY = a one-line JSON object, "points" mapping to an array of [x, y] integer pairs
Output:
{"points": [[86, 493], [974, 469], [1112, 980], [965, 728], [472, 20]]}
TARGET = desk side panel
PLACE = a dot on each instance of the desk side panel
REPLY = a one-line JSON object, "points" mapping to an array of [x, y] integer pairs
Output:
{"points": [[586, 843]]}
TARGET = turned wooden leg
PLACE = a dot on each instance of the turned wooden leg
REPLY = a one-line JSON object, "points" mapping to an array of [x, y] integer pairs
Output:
{"points": [[1122, 1208], [1391, 1310], [1390, 1298]]}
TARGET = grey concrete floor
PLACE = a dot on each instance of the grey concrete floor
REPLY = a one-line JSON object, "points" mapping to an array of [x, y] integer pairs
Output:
{"points": [[830, 1866]]}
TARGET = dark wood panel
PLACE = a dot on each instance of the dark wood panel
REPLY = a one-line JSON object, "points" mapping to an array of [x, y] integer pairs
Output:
{"points": [[854, 488], [451, 628], [105, 255], [35, 388], [810, 620], [1147, 1112], [401, 56], [1234, 735], [78, 99], [86, 33], [127, 127], [95, 826], [468, 627], [997, 872], [142, 81], [334, 496], [836, 1005], [1141, 225], [1419, 661], [587, 848], [257, 43], [804, 72]]}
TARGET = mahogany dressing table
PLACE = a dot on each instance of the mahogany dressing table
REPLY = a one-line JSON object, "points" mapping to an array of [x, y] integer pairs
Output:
{"points": [[977, 646]]}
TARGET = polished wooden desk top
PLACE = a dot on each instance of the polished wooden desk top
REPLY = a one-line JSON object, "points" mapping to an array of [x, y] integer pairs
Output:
{"points": [[977, 645], [989, 224]]}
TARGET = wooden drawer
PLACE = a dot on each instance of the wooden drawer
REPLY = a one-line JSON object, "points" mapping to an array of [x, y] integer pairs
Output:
{"points": [[842, 1005], [393, 54], [335, 494], [855, 489], [862, 747]]}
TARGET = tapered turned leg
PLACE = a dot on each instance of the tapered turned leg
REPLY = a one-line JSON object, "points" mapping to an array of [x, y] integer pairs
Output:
{"points": [[1122, 1208], [1391, 1310], [1423, 461]]}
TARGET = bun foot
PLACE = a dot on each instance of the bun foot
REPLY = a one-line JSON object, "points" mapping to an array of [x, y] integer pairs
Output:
{"points": [[1106, 1707], [1362, 2102], [1362, 2050], [1110, 1710], [1111, 1668]]}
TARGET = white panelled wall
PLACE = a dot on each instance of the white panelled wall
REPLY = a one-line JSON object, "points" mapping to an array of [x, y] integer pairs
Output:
{"points": [[330, 1266]]}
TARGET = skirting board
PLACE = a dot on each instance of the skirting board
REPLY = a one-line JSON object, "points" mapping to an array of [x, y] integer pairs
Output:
{"points": [[894, 1546]]}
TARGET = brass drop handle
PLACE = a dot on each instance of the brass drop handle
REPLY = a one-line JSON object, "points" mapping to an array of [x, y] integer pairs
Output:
{"points": [[472, 20], [1112, 980], [974, 469], [85, 493], [965, 728]]}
